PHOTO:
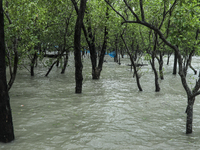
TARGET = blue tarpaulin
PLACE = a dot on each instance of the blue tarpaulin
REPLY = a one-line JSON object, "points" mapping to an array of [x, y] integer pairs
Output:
{"points": [[112, 54]]}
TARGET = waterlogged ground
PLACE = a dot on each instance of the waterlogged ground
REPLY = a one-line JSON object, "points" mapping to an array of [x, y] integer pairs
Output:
{"points": [[110, 114]]}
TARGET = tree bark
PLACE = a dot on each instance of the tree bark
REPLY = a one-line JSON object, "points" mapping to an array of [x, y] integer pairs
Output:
{"points": [[96, 70], [13, 72], [65, 62], [161, 66], [189, 112], [156, 75], [33, 63], [77, 47], [6, 124], [136, 73], [103, 50], [153, 64], [175, 63], [65, 44], [93, 53], [133, 64], [116, 49], [50, 68], [168, 57]]}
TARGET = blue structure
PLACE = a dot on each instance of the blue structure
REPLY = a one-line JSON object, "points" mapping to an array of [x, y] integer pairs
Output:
{"points": [[112, 54]]}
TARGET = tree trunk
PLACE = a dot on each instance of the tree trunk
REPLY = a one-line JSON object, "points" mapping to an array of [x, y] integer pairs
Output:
{"points": [[65, 62], [132, 64], [13, 72], [175, 63], [116, 49], [168, 56], [33, 63], [77, 47], [91, 44], [50, 68], [136, 73], [161, 66], [93, 53], [97, 70], [65, 44], [156, 74], [119, 60], [6, 124], [153, 64], [58, 59], [189, 112], [116, 56], [96, 73], [189, 60]]}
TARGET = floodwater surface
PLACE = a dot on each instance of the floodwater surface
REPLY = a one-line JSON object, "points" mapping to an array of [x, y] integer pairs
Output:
{"points": [[110, 113]]}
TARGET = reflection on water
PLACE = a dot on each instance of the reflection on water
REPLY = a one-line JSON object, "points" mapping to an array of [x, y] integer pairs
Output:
{"points": [[110, 114]]}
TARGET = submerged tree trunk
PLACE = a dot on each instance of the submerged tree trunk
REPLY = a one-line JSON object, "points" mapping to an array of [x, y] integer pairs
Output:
{"points": [[156, 75], [175, 63], [33, 63], [116, 49], [6, 124], [189, 112], [161, 66], [77, 47], [119, 60], [153, 64], [65, 62], [136, 73], [93, 54], [50, 68], [97, 70], [58, 59], [65, 44], [133, 64], [101, 58], [168, 57]]}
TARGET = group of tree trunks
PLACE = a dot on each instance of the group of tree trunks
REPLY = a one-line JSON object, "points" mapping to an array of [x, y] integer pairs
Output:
{"points": [[191, 93]]}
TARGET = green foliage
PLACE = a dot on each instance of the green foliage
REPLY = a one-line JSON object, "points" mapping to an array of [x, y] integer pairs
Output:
{"points": [[38, 25], [147, 57], [43, 23]]}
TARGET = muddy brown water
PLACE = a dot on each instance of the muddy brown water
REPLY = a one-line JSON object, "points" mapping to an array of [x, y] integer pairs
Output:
{"points": [[110, 113]]}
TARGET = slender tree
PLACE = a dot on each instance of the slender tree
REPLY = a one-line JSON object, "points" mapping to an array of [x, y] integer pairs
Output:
{"points": [[6, 124], [77, 47]]}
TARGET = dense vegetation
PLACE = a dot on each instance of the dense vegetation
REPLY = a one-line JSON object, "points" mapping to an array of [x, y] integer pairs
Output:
{"points": [[48, 30]]}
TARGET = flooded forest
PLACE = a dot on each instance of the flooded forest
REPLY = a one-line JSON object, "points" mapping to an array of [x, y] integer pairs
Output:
{"points": [[99, 74]]}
